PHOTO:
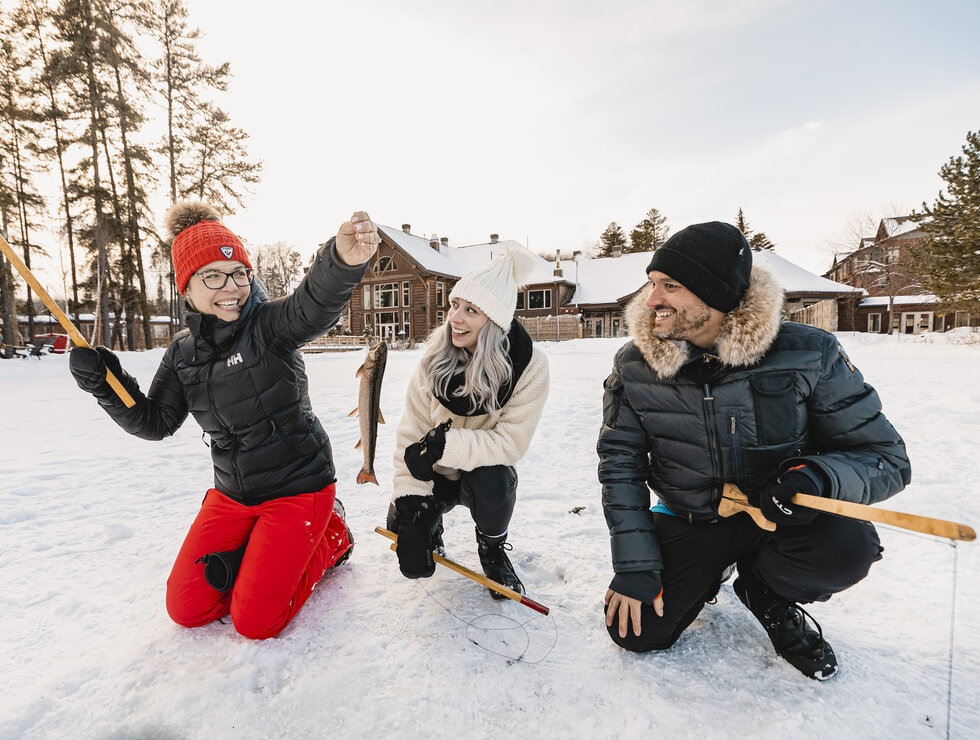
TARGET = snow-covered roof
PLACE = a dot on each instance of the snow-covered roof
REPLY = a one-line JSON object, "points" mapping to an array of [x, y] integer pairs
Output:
{"points": [[457, 261], [610, 279], [899, 300], [896, 226], [795, 279]]}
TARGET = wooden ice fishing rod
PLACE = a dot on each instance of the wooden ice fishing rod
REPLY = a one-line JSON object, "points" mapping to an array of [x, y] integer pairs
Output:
{"points": [[473, 576], [75, 334], [734, 501]]}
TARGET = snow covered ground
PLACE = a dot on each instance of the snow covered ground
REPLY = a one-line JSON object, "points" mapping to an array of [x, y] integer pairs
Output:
{"points": [[91, 519]]}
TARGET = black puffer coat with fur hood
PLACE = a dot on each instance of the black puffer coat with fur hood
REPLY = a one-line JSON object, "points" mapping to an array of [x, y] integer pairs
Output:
{"points": [[771, 395], [245, 384]]}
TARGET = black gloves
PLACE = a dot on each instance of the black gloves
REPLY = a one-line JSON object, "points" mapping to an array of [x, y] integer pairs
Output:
{"points": [[221, 568], [419, 528], [776, 503], [89, 365], [422, 455], [643, 585]]}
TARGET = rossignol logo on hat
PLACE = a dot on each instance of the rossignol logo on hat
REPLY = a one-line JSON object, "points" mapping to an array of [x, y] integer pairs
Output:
{"points": [[227, 252]]}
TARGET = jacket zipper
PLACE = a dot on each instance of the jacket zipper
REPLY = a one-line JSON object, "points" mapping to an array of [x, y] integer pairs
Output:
{"points": [[716, 470], [234, 450], [736, 448]]}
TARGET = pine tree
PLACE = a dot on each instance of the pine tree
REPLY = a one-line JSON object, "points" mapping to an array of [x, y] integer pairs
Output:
{"points": [[32, 17], [756, 239], [612, 238], [949, 255], [650, 233], [20, 141]]}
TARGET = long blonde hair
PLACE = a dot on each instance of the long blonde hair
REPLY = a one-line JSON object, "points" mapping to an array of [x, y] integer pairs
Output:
{"points": [[485, 371]]}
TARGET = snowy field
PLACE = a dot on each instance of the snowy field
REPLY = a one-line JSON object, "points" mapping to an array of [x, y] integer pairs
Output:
{"points": [[91, 519]]}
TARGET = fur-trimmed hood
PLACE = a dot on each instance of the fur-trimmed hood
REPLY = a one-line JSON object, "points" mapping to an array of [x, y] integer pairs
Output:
{"points": [[746, 333]]}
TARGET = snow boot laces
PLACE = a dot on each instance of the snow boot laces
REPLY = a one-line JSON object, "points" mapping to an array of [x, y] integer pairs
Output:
{"points": [[795, 641], [496, 564]]}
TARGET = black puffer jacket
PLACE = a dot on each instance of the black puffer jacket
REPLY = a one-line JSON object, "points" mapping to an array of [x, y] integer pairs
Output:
{"points": [[683, 422], [245, 384]]}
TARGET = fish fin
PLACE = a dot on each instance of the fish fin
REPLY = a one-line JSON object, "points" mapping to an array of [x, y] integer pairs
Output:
{"points": [[360, 371], [365, 477], [352, 413], [358, 445], [381, 419]]}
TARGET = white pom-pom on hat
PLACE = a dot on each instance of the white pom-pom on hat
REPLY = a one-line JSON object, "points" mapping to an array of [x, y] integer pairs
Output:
{"points": [[493, 287]]}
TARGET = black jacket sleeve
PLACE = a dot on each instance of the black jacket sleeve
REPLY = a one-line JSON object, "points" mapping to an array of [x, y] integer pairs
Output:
{"points": [[315, 305], [623, 470], [153, 416], [862, 457]]}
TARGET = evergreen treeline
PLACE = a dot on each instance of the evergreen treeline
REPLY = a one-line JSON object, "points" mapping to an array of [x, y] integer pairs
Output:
{"points": [[81, 82]]}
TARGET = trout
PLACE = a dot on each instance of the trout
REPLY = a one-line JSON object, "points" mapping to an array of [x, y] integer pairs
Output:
{"points": [[368, 408]]}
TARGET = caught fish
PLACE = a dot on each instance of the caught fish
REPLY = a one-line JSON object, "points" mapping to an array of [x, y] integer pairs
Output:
{"points": [[368, 408]]}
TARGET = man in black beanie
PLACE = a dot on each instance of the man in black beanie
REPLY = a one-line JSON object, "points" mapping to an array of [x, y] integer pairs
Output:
{"points": [[715, 389]]}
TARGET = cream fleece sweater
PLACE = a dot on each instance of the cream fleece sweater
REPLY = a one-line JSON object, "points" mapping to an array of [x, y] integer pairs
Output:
{"points": [[472, 442]]}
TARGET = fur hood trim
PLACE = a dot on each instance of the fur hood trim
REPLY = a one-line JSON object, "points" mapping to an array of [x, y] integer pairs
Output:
{"points": [[746, 333]]}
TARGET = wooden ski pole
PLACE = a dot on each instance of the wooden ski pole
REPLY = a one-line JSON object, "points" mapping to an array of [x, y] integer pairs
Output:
{"points": [[473, 576], [75, 334], [733, 501]]}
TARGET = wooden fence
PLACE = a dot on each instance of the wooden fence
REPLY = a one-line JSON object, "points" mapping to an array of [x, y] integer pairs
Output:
{"points": [[552, 328]]}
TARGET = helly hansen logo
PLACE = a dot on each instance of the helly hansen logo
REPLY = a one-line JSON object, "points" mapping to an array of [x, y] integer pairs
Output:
{"points": [[235, 359]]}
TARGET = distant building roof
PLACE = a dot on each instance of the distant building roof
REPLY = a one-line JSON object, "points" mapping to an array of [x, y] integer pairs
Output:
{"points": [[457, 261], [896, 226], [899, 300], [607, 280]]}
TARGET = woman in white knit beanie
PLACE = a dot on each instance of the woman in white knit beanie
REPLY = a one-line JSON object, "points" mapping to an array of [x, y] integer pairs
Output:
{"points": [[471, 409]]}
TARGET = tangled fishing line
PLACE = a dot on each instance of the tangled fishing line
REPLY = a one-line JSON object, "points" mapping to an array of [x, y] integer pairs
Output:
{"points": [[474, 628]]}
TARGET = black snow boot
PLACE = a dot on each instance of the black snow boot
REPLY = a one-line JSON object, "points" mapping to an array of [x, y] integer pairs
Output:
{"points": [[803, 647], [338, 508], [496, 564]]}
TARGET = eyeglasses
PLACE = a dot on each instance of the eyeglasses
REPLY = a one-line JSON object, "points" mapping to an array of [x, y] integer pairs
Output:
{"points": [[216, 280]]}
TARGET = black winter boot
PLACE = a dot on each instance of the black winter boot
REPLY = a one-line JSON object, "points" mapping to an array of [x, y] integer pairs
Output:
{"points": [[338, 508], [496, 564], [785, 622]]}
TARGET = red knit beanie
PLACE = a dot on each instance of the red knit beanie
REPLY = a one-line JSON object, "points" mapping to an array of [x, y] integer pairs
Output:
{"points": [[199, 238]]}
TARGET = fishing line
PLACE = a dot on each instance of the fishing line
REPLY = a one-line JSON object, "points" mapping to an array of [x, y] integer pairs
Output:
{"points": [[515, 625], [952, 616]]}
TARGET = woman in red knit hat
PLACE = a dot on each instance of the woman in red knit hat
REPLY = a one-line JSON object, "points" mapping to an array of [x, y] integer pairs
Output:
{"points": [[271, 525]]}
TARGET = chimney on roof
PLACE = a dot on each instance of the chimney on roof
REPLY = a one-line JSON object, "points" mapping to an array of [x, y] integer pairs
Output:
{"points": [[407, 228], [558, 270], [494, 238], [617, 251], [444, 241], [434, 242]]}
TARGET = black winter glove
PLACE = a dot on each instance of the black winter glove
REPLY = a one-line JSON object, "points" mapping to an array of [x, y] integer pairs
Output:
{"points": [[643, 585], [221, 568], [777, 505], [422, 455], [417, 518], [89, 366]]}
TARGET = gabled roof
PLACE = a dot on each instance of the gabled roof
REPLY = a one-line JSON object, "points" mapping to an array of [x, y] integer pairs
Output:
{"points": [[606, 280], [896, 226], [457, 261]]}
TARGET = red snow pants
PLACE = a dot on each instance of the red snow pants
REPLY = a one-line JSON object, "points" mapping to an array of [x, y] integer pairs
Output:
{"points": [[291, 542]]}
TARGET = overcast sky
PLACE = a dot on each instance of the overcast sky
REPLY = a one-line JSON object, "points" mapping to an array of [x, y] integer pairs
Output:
{"points": [[544, 121]]}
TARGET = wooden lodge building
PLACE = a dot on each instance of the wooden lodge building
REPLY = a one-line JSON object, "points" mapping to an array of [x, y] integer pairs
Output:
{"points": [[880, 267], [405, 292]]}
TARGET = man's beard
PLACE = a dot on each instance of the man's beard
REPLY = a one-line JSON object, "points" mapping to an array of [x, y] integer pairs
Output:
{"points": [[686, 323]]}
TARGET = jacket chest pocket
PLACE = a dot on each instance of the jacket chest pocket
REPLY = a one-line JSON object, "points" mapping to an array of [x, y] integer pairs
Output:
{"points": [[777, 411]]}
